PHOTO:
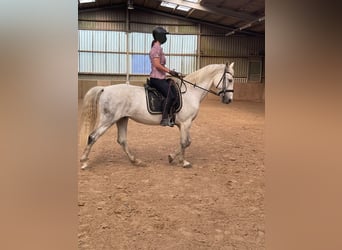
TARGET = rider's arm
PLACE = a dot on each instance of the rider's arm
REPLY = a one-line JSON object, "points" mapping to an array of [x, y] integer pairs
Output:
{"points": [[158, 66]]}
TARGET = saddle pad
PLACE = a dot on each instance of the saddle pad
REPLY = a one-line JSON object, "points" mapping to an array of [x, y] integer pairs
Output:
{"points": [[154, 99]]}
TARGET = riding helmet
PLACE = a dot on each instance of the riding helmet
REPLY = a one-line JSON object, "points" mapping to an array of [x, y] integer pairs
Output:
{"points": [[159, 34]]}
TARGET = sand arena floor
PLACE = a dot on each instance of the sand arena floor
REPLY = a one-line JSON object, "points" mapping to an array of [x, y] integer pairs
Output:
{"points": [[216, 204]]}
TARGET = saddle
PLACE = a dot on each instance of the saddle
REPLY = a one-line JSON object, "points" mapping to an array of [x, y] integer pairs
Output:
{"points": [[155, 99]]}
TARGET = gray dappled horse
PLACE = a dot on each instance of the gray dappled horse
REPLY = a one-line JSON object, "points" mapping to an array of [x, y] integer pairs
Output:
{"points": [[118, 103]]}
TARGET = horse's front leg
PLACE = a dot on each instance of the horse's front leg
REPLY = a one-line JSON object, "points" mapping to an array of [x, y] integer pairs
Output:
{"points": [[173, 155], [122, 140], [185, 142]]}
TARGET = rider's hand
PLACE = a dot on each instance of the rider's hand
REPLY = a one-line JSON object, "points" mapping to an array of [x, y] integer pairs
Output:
{"points": [[174, 73]]}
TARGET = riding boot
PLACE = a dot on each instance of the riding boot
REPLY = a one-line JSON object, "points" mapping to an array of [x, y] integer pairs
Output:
{"points": [[165, 121], [172, 108], [172, 116]]}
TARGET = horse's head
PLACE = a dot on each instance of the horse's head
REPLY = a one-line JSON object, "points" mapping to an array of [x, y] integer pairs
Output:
{"points": [[226, 84]]}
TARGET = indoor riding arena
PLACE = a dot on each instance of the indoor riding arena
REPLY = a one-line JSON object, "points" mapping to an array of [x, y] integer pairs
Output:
{"points": [[218, 202]]}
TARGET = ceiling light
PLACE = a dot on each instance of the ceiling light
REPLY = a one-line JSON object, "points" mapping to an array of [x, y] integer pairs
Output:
{"points": [[168, 5], [183, 8], [130, 5], [87, 1]]}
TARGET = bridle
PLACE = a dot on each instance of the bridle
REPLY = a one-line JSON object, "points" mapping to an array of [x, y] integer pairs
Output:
{"points": [[224, 84], [224, 89]]}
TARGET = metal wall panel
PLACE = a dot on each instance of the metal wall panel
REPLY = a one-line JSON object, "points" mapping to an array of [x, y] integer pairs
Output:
{"points": [[183, 64], [85, 40], [186, 30], [140, 42], [147, 28], [230, 46], [116, 41], [99, 40], [88, 25], [99, 62], [155, 19], [181, 49], [115, 15], [210, 30], [181, 44], [241, 67], [85, 62], [144, 28], [140, 64], [116, 63], [102, 20], [240, 64], [93, 56]]}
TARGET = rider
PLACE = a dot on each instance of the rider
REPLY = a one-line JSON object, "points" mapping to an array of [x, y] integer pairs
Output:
{"points": [[158, 74]]}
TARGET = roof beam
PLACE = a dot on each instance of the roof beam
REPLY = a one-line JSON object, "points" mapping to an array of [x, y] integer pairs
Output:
{"points": [[250, 24], [213, 10], [189, 19]]}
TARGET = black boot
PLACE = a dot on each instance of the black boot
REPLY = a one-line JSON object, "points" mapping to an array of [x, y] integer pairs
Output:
{"points": [[166, 120]]}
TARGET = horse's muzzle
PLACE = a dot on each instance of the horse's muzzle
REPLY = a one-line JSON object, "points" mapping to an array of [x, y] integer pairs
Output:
{"points": [[226, 100]]}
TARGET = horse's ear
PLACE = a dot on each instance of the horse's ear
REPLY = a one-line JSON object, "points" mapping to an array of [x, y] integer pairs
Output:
{"points": [[231, 65], [227, 64]]}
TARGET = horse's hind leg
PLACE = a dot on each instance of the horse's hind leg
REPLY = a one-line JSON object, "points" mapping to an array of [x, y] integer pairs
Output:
{"points": [[93, 137], [122, 140]]}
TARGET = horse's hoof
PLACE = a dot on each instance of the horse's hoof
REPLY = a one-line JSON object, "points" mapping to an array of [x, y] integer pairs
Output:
{"points": [[139, 163], [84, 165], [187, 165], [170, 158]]}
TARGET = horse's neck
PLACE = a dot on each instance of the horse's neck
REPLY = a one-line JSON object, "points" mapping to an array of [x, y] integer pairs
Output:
{"points": [[203, 78]]}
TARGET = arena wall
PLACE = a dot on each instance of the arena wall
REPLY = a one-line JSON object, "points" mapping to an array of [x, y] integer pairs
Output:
{"points": [[213, 47]]}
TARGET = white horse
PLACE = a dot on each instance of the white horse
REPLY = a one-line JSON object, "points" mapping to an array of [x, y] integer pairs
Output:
{"points": [[118, 103]]}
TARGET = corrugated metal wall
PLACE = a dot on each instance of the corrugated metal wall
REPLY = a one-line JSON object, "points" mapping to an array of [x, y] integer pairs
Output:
{"points": [[214, 47], [103, 20], [101, 51], [231, 46], [218, 49]]}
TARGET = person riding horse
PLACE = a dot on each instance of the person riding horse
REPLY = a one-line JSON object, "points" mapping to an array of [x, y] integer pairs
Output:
{"points": [[115, 104], [158, 75]]}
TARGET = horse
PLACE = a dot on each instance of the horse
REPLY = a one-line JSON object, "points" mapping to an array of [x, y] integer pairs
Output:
{"points": [[116, 104]]}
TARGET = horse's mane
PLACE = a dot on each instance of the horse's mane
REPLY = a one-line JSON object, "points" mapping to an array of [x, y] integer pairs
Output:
{"points": [[204, 72]]}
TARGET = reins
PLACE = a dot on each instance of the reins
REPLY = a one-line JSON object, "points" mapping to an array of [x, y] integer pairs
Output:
{"points": [[223, 78]]}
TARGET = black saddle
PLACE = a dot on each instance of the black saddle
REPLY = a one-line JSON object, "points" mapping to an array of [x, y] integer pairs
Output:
{"points": [[155, 99]]}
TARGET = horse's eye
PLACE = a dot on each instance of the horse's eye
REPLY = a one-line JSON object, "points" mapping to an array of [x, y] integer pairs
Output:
{"points": [[230, 80]]}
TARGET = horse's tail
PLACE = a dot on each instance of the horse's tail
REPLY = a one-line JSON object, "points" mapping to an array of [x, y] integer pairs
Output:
{"points": [[89, 113]]}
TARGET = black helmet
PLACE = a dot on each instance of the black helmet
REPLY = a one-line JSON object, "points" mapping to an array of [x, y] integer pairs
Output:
{"points": [[159, 34]]}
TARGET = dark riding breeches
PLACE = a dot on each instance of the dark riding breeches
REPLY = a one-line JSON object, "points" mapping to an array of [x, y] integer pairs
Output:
{"points": [[167, 91]]}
